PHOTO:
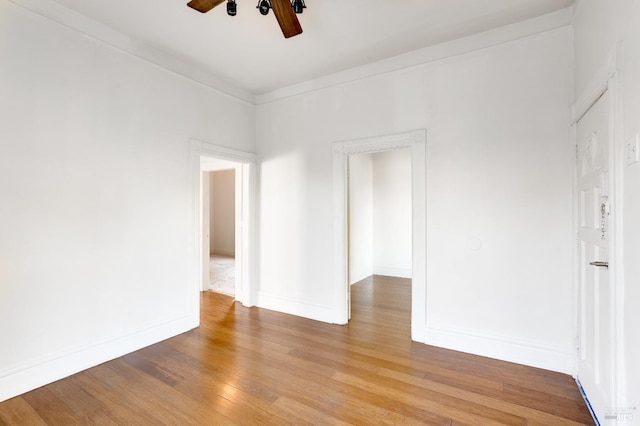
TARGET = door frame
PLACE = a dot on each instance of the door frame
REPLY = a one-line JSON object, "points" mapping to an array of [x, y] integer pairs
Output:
{"points": [[246, 240], [416, 141], [606, 79]]}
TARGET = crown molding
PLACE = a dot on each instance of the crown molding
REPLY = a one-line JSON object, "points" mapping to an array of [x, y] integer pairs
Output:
{"points": [[82, 24], [490, 38], [64, 16]]}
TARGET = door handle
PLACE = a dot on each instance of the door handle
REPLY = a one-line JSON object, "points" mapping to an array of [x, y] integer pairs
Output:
{"points": [[600, 264]]}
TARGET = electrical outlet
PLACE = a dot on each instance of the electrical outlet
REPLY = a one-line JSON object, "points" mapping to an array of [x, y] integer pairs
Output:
{"points": [[632, 150]]}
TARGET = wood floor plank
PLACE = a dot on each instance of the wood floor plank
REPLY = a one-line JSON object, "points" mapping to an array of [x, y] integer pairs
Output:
{"points": [[497, 400], [322, 392], [83, 405], [18, 411], [50, 408], [120, 407], [254, 366], [436, 403]]}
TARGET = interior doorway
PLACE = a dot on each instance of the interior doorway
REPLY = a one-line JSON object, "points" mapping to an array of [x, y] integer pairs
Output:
{"points": [[415, 142], [221, 214], [379, 217], [379, 214], [216, 166]]}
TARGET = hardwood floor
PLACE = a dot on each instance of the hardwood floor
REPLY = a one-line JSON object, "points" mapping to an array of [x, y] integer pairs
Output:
{"points": [[253, 366]]}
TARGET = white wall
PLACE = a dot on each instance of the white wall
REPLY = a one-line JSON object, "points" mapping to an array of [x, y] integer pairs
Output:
{"points": [[392, 213], [97, 216], [599, 25], [360, 217], [223, 212], [380, 214], [498, 194]]}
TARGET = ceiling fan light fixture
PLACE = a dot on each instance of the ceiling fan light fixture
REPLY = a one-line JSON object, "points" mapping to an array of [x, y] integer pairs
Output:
{"points": [[232, 7], [264, 6], [298, 6]]}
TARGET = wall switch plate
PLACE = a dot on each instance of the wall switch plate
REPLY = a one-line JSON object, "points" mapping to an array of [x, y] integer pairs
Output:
{"points": [[632, 150]]}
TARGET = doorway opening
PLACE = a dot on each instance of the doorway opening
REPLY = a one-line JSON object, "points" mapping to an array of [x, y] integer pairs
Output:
{"points": [[225, 221], [379, 224], [415, 143], [221, 212]]}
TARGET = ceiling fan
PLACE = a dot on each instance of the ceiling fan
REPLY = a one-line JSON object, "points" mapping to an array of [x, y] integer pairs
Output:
{"points": [[284, 10]]}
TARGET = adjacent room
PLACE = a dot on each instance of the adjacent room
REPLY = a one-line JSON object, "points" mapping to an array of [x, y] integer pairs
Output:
{"points": [[319, 212], [219, 226]]}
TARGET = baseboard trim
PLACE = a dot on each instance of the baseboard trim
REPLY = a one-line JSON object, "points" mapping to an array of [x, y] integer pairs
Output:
{"points": [[25, 378], [224, 252], [292, 307], [586, 401], [392, 272], [511, 350]]}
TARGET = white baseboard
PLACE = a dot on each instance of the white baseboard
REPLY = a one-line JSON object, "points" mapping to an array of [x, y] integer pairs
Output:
{"points": [[511, 350], [392, 272], [292, 307], [224, 252], [19, 380], [359, 276]]}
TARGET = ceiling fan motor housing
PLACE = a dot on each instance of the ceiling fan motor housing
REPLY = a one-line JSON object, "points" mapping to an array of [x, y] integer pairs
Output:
{"points": [[232, 8], [264, 6]]}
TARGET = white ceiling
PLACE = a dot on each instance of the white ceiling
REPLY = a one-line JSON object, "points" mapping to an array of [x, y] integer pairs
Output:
{"points": [[249, 51]]}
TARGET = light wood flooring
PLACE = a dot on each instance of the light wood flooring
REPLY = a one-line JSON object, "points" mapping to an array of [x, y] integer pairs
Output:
{"points": [[253, 366]]}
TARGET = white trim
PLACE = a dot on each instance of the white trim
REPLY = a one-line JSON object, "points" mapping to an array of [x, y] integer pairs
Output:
{"points": [[246, 260], [416, 141], [575, 258], [486, 39], [596, 88], [297, 308], [616, 259], [86, 26], [24, 378], [221, 152], [224, 252], [506, 349], [392, 272], [575, 8]]}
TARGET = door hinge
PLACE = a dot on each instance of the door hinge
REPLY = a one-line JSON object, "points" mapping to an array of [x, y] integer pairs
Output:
{"points": [[577, 152]]}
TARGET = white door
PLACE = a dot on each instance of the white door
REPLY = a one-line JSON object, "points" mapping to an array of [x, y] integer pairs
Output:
{"points": [[596, 346]]}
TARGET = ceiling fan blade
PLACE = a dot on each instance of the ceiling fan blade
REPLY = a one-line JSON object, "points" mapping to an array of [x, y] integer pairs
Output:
{"points": [[286, 17], [204, 6]]}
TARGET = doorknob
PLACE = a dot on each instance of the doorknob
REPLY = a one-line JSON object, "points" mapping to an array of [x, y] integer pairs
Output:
{"points": [[600, 264]]}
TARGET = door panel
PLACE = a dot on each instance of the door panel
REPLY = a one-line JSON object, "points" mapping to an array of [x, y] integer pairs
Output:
{"points": [[595, 364]]}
